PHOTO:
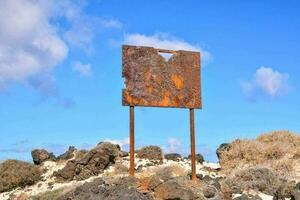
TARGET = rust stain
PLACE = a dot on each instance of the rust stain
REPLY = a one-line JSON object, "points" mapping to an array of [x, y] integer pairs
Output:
{"points": [[152, 81], [178, 81]]}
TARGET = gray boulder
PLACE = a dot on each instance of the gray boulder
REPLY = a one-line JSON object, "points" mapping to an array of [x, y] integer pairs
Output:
{"points": [[151, 153], [68, 154], [90, 164], [199, 158], [222, 148], [296, 192], [172, 190], [41, 155], [173, 156]]}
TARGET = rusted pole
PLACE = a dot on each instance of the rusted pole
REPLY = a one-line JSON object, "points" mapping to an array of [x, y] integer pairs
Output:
{"points": [[131, 169], [193, 151]]}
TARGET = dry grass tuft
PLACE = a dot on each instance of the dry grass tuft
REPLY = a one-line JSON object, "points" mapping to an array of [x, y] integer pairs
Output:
{"points": [[257, 178], [14, 173], [276, 150]]}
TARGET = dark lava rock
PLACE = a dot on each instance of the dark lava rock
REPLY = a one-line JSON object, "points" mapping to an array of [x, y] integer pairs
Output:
{"points": [[41, 155], [199, 158], [151, 153], [123, 154], [212, 181], [91, 164], [296, 192], [68, 154], [14, 173], [173, 156], [124, 189], [278, 195], [247, 197], [209, 192], [172, 190], [223, 147]]}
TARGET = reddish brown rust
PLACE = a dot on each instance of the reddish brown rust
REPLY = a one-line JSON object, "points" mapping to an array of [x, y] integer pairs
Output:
{"points": [[150, 80]]}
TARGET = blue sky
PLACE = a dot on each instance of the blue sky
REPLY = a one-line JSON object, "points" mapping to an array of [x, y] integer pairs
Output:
{"points": [[60, 72]]}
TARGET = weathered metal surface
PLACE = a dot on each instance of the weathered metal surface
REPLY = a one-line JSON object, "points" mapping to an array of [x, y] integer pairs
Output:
{"points": [[150, 80]]}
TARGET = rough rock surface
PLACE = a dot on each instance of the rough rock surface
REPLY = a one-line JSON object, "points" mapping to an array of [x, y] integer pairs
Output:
{"points": [[151, 153], [296, 192], [199, 158], [173, 156], [172, 190], [41, 155], [15, 174], [124, 188], [223, 147], [68, 154], [91, 164]]}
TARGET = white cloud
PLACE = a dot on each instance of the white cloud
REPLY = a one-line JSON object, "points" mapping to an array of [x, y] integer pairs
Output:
{"points": [[29, 43], [123, 143], [33, 42], [173, 146], [267, 81], [83, 69], [165, 41]]}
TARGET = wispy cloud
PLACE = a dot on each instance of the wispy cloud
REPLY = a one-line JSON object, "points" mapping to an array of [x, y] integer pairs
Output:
{"points": [[83, 69], [25, 146], [165, 41], [173, 146], [268, 82]]}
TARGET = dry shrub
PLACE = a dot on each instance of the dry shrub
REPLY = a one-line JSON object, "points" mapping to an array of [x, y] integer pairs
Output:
{"points": [[256, 178], [296, 154], [14, 173], [280, 136], [275, 150]]}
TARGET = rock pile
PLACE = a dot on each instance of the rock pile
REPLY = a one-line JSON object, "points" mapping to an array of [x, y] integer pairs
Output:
{"points": [[90, 164], [151, 153]]}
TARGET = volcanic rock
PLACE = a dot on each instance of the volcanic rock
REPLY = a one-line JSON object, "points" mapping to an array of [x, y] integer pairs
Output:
{"points": [[91, 164], [173, 156], [199, 158], [151, 153], [68, 154], [41, 155], [222, 148]]}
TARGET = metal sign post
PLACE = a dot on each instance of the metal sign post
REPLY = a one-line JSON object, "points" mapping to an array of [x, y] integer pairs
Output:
{"points": [[193, 149], [152, 81], [131, 169]]}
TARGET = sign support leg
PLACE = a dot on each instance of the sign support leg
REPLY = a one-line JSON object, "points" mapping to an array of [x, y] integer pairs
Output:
{"points": [[193, 151], [131, 169]]}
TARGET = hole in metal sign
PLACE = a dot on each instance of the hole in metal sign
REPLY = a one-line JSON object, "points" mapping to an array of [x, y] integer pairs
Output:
{"points": [[166, 56]]}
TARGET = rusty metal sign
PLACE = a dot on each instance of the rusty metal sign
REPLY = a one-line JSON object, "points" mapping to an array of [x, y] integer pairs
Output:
{"points": [[150, 80]]}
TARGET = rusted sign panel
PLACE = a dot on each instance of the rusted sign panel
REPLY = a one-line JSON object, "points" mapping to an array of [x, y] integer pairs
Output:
{"points": [[150, 80]]}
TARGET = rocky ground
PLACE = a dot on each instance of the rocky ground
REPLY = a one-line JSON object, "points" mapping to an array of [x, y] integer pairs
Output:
{"points": [[264, 168]]}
